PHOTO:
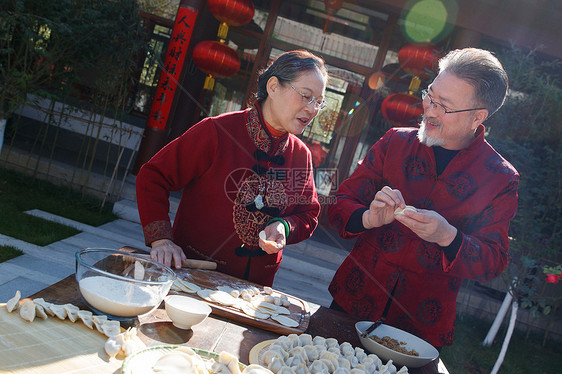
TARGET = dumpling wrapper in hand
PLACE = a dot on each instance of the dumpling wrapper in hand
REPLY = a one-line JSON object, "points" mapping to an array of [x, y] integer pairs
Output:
{"points": [[263, 237], [402, 210]]}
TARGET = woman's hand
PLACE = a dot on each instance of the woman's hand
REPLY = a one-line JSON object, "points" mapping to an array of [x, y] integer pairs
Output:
{"points": [[381, 209], [166, 251], [272, 238]]}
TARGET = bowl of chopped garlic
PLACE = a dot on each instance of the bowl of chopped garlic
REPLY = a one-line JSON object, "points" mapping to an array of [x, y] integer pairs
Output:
{"points": [[120, 284], [391, 343]]}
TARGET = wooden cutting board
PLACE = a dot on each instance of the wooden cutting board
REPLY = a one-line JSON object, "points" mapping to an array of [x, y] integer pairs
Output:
{"points": [[299, 309], [51, 346]]}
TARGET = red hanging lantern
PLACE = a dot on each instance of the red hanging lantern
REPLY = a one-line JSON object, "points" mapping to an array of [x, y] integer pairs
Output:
{"points": [[402, 109], [419, 59], [231, 12], [215, 59]]}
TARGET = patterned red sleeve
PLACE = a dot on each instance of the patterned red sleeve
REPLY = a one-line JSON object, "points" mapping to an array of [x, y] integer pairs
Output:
{"points": [[157, 230]]}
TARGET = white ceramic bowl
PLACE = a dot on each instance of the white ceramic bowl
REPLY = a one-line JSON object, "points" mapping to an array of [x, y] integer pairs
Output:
{"points": [[427, 352], [120, 284], [185, 311]]}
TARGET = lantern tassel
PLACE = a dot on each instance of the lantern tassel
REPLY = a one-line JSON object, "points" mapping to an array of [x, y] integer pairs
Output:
{"points": [[414, 85], [223, 31], [209, 83]]}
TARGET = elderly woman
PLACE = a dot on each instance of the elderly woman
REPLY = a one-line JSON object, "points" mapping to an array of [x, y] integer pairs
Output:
{"points": [[241, 173]]}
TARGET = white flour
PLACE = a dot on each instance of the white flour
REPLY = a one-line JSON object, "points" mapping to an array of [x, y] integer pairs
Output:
{"points": [[119, 298]]}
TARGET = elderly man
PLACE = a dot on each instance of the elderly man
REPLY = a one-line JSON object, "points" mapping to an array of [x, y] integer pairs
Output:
{"points": [[462, 194]]}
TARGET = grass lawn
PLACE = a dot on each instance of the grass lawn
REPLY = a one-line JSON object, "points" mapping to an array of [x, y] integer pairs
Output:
{"points": [[468, 356], [7, 252], [19, 193]]}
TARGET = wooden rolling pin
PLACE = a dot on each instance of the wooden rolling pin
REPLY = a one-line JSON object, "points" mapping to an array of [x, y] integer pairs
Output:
{"points": [[199, 264], [189, 263]]}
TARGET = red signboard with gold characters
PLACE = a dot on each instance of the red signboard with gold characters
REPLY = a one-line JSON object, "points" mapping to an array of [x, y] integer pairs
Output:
{"points": [[173, 63]]}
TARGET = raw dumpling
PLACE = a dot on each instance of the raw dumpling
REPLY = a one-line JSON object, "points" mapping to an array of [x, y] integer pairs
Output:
{"points": [[99, 320], [377, 361], [27, 310], [13, 303], [390, 367], [319, 340], [270, 354], [332, 342], [294, 361], [311, 352], [230, 361], [369, 364], [58, 311], [305, 339], [318, 367], [86, 317], [111, 328], [46, 306], [284, 342], [298, 351], [301, 369], [344, 363], [112, 347], [71, 312], [256, 369], [320, 349], [329, 364], [276, 364], [347, 349], [40, 312]]}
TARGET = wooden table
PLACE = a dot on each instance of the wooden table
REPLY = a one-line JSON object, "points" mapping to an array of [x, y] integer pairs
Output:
{"points": [[218, 334]]}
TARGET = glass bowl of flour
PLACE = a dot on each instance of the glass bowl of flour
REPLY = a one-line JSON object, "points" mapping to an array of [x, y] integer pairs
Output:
{"points": [[120, 284]]}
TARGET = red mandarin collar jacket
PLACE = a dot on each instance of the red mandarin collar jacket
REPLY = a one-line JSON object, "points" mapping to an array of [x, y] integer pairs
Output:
{"points": [[476, 193], [215, 164]]}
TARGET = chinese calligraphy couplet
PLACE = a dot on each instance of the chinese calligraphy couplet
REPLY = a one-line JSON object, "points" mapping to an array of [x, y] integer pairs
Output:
{"points": [[173, 63]]}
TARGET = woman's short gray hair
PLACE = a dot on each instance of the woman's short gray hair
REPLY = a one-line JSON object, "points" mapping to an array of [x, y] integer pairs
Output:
{"points": [[482, 70], [287, 67]]}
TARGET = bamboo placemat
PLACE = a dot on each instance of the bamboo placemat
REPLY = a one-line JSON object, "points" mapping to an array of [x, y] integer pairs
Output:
{"points": [[51, 346]]}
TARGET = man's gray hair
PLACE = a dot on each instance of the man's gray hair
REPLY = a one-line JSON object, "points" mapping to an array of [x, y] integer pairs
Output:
{"points": [[482, 70]]}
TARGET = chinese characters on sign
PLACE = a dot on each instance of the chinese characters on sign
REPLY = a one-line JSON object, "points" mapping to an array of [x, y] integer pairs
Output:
{"points": [[173, 63]]}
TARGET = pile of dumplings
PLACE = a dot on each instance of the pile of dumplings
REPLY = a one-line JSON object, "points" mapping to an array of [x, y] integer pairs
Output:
{"points": [[301, 354], [118, 342]]}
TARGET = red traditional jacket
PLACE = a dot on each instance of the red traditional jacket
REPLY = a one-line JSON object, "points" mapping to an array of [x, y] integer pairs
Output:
{"points": [[222, 164], [476, 193]]}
